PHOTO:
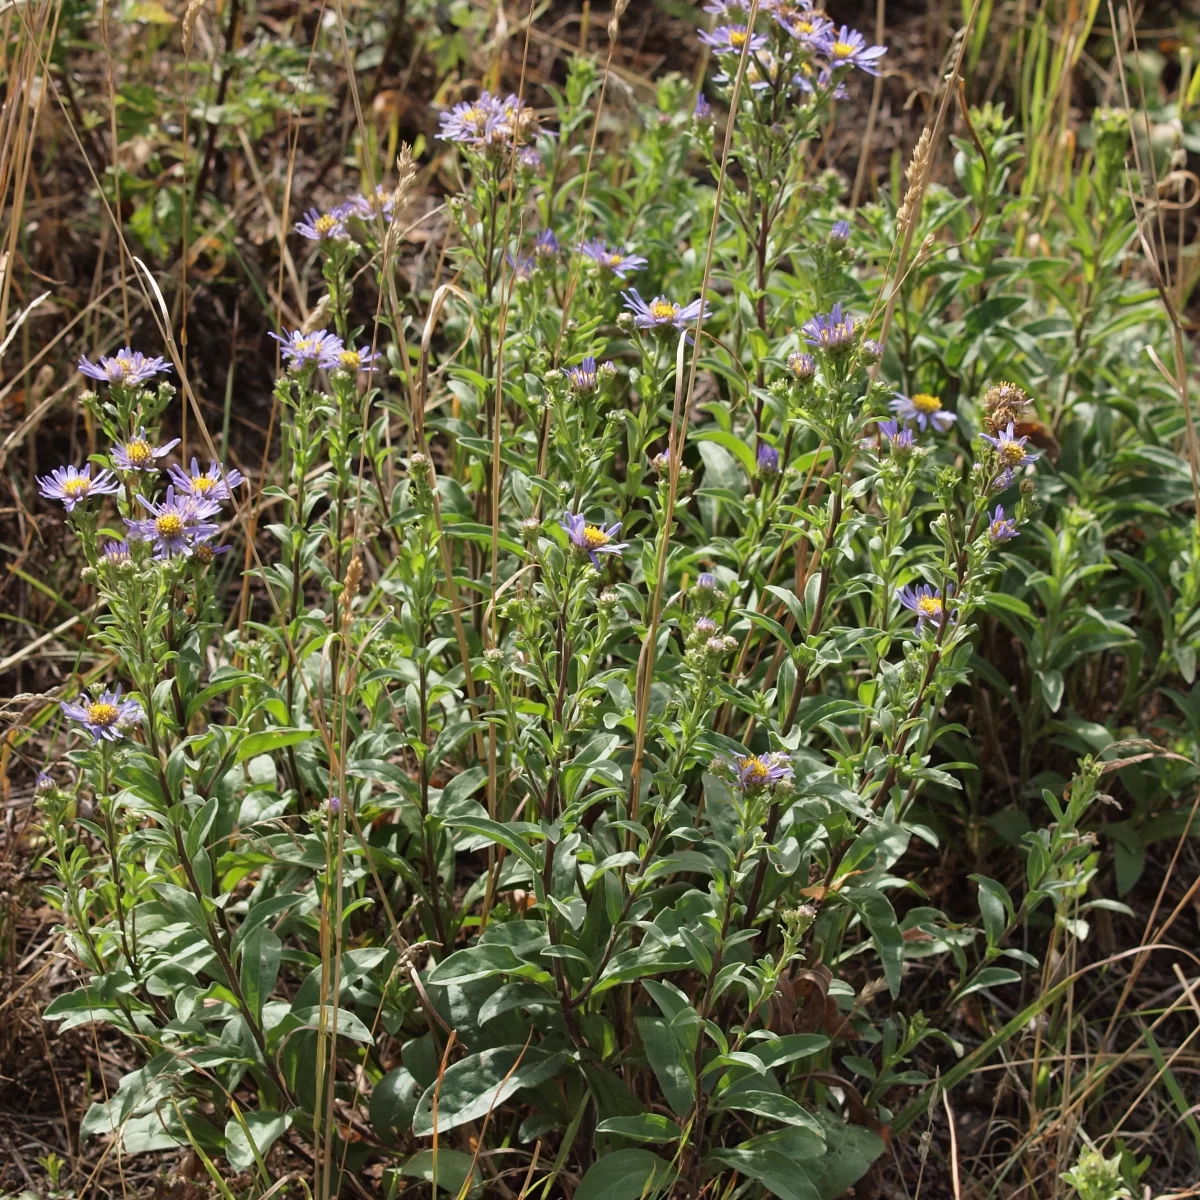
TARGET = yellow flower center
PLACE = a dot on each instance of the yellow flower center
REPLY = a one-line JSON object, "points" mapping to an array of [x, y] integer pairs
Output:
{"points": [[304, 345], [77, 486], [326, 223], [999, 528], [594, 537], [803, 26], [807, 68], [841, 50], [1012, 454], [139, 452], [102, 713], [738, 38], [203, 484], [124, 362], [613, 259], [351, 360], [663, 310], [929, 606], [923, 402], [475, 116], [754, 770], [169, 525]]}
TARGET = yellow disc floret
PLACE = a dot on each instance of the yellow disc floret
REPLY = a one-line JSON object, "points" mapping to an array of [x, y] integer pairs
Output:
{"points": [[169, 525], [103, 714], [923, 402], [664, 310]]}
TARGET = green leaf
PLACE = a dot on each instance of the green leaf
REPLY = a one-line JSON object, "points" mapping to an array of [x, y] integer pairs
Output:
{"points": [[777, 1107], [645, 1127], [271, 739], [261, 953], [624, 1175], [990, 977], [995, 906], [393, 1102], [221, 683], [452, 1170], [1051, 683], [266, 1128], [879, 917], [668, 1057], [475, 1085]]}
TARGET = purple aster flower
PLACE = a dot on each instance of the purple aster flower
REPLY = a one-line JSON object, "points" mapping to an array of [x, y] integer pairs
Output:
{"points": [[802, 366], [208, 486], [840, 233], [1011, 452], [176, 525], [848, 48], [126, 368], [732, 39], [926, 602], [611, 258], [767, 459], [104, 716], [899, 437], [323, 227], [467, 122], [335, 805], [734, 11], [138, 454], [204, 552], [318, 349], [523, 266], [117, 554], [585, 377], [546, 245], [592, 539], [661, 311], [758, 771], [703, 112], [530, 159], [362, 359], [802, 21], [834, 332], [381, 201], [924, 409], [870, 350], [72, 486], [1000, 527], [706, 581]]}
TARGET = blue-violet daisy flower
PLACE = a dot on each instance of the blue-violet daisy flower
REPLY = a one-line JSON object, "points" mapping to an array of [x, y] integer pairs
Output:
{"points": [[317, 349], [926, 602], [592, 539], [660, 311], [104, 716], [758, 771], [138, 454], [924, 409], [176, 525], [611, 258], [73, 486], [848, 48], [1000, 527], [323, 227], [834, 332], [214, 484], [732, 39], [126, 368], [1011, 452]]}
